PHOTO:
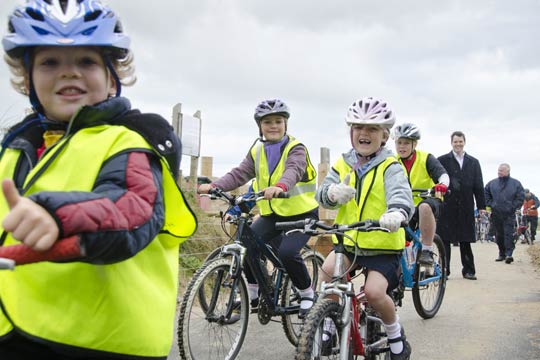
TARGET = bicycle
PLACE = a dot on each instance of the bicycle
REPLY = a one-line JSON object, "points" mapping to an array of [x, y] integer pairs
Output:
{"points": [[482, 227], [522, 230], [215, 308], [359, 329], [428, 284]]}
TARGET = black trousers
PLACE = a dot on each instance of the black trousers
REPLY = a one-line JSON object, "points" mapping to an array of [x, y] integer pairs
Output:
{"points": [[504, 233], [533, 220], [288, 247], [18, 347], [467, 257]]}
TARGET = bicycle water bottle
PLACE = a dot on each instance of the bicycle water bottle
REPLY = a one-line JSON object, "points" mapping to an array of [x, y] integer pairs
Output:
{"points": [[409, 255]]}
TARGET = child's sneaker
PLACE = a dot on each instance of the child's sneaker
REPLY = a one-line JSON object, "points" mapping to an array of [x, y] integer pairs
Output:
{"points": [[426, 258]]}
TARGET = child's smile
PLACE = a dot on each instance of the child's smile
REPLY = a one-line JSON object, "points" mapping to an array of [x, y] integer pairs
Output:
{"points": [[66, 78]]}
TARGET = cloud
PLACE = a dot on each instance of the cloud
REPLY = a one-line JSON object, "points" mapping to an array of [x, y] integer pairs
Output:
{"points": [[452, 65]]}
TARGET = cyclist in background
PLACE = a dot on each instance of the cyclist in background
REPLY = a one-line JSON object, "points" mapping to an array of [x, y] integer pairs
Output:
{"points": [[368, 182], [424, 172], [279, 163], [85, 164], [530, 212]]}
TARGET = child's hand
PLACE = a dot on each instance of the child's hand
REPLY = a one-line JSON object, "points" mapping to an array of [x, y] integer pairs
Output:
{"points": [[271, 192], [392, 220], [341, 193], [204, 188], [27, 221]]}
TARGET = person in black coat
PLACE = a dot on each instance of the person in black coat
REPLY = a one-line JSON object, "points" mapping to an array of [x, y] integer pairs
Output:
{"points": [[456, 223], [504, 195]]}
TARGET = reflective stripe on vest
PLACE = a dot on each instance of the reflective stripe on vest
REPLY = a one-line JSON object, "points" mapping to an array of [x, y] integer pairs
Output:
{"points": [[371, 205], [418, 176], [126, 307], [302, 195]]}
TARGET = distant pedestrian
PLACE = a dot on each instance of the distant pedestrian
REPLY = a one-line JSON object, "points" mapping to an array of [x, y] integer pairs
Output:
{"points": [[505, 196], [457, 223], [530, 212]]}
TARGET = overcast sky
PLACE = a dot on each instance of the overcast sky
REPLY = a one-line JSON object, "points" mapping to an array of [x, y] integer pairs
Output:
{"points": [[448, 65]]}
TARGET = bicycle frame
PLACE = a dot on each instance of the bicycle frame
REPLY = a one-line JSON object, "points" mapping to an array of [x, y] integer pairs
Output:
{"points": [[408, 266]]}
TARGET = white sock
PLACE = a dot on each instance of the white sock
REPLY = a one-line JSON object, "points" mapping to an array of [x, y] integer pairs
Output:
{"points": [[425, 247], [306, 293], [253, 291], [394, 331], [330, 327]]}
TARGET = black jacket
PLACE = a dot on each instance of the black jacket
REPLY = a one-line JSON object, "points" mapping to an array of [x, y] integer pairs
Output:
{"points": [[456, 223], [504, 195]]}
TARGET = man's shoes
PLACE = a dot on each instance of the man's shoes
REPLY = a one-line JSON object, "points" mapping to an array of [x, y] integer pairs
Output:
{"points": [[406, 352], [426, 258], [508, 259], [500, 258], [327, 345], [469, 276], [254, 305]]}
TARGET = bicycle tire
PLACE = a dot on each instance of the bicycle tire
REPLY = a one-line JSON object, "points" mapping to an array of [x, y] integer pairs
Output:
{"points": [[310, 341], [427, 299], [203, 336], [290, 296]]}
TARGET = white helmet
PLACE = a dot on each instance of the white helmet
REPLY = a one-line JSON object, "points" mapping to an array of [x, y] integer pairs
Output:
{"points": [[370, 111], [406, 131]]}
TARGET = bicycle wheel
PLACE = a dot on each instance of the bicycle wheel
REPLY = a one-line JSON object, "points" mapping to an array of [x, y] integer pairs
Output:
{"points": [[374, 336], [428, 298], [290, 296], [210, 333], [202, 296], [311, 344]]}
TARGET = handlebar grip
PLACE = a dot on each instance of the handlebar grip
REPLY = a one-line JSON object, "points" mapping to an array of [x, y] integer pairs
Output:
{"points": [[289, 225], [63, 249], [283, 195]]}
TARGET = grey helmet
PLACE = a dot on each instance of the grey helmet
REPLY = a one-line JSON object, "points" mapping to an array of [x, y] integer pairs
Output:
{"points": [[271, 107], [406, 131], [370, 111]]}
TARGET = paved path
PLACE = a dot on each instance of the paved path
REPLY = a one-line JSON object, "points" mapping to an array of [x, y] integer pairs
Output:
{"points": [[495, 317]]}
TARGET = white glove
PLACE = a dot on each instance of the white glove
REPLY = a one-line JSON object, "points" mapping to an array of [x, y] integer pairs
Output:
{"points": [[341, 193], [392, 220]]}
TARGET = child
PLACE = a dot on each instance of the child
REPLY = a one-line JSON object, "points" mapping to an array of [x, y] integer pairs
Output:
{"points": [[279, 163], [84, 164], [368, 183], [424, 172]]}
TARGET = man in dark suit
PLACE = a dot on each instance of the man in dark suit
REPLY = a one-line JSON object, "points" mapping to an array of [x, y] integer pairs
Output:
{"points": [[456, 223]]}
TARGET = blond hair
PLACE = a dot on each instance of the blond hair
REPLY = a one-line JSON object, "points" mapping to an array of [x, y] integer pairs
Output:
{"points": [[124, 67]]}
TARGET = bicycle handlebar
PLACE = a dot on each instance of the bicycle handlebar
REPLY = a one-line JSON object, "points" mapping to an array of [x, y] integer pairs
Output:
{"points": [[425, 193], [310, 226], [217, 193], [63, 249]]}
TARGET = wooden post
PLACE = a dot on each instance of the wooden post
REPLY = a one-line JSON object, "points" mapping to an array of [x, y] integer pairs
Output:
{"points": [[206, 166]]}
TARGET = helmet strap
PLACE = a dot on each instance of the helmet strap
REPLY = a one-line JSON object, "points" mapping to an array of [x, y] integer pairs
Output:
{"points": [[111, 68], [32, 95]]}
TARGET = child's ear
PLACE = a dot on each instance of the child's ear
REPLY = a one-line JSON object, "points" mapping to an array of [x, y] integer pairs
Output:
{"points": [[112, 86]]}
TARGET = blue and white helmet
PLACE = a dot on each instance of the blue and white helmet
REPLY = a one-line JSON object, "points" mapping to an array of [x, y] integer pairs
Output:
{"points": [[64, 23], [370, 111]]}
